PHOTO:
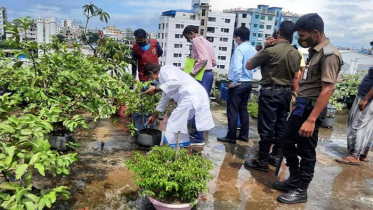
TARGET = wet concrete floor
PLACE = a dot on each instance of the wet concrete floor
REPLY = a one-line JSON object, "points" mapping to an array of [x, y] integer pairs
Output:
{"points": [[100, 179]]}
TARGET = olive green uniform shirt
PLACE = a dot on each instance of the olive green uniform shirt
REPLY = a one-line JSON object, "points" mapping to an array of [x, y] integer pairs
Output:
{"points": [[324, 64], [278, 63]]}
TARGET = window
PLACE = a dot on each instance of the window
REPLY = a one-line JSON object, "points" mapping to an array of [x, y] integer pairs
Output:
{"points": [[177, 64], [254, 34], [165, 35], [202, 32], [177, 36], [162, 25], [243, 24], [256, 16], [221, 66], [260, 35], [244, 15], [261, 26], [262, 17], [179, 26], [223, 48], [253, 43], [178, 46], [159, 35], [166, 25], [223, 39], [162, 35], [270, 18], [225, 30], [159, 26], [210, 30], [268, 27], [267, 35], [212, 19], [276, 23], [210, 39], [255, 25], [203, 12], [177, 55], [227, 20], [223, 58], [202, 22]]}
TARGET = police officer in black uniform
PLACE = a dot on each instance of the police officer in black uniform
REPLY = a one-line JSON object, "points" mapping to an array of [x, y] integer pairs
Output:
{"points": [[279, 63]]}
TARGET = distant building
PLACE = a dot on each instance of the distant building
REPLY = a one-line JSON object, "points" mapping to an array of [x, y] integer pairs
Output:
{"points": [[262, 21], [217, 27], [66, 23], [40, 31], [153, 35], [3, 20]]}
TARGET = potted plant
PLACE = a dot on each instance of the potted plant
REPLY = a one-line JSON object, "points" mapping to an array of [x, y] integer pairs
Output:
{"points": [[332, 106], [140, 107], [168, 181]]}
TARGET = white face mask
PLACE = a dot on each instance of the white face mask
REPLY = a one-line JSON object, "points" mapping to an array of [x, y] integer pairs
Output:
{"points": [[235, 44], [191, 41]]}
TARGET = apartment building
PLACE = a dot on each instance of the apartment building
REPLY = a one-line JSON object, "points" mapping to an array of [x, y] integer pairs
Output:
{"points": [[3, 20]]}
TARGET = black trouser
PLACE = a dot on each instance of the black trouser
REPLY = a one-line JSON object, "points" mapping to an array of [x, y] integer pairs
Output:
{"points": [[237, 105], [305, 146], [274, 106]]}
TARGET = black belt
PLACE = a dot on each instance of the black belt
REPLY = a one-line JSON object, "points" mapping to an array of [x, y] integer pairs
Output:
{"points": [[276, 87], [208, 70]]}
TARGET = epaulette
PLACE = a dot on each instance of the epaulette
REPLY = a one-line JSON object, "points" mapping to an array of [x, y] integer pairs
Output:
{"points": [[328, 49]]}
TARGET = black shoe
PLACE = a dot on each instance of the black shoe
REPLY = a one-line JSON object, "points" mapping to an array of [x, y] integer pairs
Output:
{"points": [[260, 164], [227, 140], [289, 184], [293, 197], [243, 139]]}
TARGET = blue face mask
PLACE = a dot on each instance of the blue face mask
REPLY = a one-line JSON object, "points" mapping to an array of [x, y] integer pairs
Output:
{"points": [[146, 47]]}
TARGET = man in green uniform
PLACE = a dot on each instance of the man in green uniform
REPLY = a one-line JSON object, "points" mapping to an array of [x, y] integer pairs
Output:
{"points": [[315, 88], [279, 63]]}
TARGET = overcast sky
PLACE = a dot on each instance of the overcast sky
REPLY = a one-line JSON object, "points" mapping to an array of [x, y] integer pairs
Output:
{"points": [[347, 22]]}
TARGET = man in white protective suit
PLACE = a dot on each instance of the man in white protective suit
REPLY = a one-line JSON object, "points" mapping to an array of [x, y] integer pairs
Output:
{"points": [[191, 99]]}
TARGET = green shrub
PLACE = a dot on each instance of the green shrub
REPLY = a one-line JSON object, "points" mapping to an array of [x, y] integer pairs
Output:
{"points": [[167, 180]]}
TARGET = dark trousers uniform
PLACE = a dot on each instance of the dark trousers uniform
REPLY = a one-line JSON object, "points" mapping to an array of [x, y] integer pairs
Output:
{"points": [[294, 145], [274, 106], [237, 105]]}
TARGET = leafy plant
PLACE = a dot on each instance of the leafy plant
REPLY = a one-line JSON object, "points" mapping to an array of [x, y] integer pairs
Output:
{"points": [[170, 181], [253, 107]]}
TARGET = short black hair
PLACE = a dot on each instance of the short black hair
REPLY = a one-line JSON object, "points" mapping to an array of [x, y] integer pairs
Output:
{"points": [[310, 22], [151, 67], [243, 33], [140, 33], [189, 29], [287, 30]]}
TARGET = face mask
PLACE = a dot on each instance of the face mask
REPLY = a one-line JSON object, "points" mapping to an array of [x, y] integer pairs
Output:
{"points": [[306, 43], [141, 44], [191, 41], [235, 44]]}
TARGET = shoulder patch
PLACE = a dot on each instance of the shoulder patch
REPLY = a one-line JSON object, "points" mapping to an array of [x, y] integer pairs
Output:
{"points": [[328, 50]]}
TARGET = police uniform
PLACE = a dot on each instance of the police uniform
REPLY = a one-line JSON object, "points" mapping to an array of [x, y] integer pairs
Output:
{"points": [[323, 65], [278, 63]]}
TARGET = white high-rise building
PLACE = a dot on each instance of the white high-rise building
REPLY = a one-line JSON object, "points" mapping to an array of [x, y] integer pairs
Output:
{"points": [[45, 29], [217, 27], [3, 20]]}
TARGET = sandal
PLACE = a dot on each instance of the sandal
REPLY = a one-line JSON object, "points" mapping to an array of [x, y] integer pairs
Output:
{"points": [[349, 160], [363, 158]]}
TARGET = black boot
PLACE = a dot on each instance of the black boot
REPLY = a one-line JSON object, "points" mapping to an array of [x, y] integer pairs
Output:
{"points": [[289, 184], [298, 195], [274, 156], [260, 164]]}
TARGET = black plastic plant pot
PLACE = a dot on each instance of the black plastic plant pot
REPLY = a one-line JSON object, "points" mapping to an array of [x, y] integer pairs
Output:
{"points": [[59, 141], [149, 137]]}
